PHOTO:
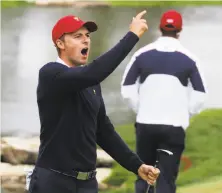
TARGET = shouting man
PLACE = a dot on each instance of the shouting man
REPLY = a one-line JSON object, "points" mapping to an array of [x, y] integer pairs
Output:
{"points": [[72, 112]]}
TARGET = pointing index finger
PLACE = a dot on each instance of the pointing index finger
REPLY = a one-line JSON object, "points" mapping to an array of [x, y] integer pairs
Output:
{"points": [[141, 14]]}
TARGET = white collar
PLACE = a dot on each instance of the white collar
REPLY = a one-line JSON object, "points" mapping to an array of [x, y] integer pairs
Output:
{"points": [[167, 43], [59, 60], [168, 39]]}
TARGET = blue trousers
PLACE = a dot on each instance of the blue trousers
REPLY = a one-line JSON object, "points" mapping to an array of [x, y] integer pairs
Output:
{"points": [[149, 138], [47, 181]]}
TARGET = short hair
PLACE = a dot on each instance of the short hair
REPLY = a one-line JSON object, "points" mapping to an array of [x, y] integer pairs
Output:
{"points": [[57, 48], [171, 33]]}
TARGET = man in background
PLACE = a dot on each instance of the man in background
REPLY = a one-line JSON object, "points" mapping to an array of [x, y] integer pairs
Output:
{"points": [[72, 112], [155, 85]]}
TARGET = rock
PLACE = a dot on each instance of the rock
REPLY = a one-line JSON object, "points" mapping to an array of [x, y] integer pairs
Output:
{"points": [[102, 174], [13, 178], [7, 154], [27, 144], [103, 186], [19, 151], [104, 159], [16, 150], [81, 3]]}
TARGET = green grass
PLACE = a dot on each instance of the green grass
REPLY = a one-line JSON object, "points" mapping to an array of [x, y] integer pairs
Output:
{"points": [[162, 3], [203, 147], [114, 3], [10, 4], [213, 185]]}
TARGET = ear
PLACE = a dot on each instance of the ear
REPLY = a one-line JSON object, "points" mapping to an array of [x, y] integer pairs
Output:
{"points": [[60, 44]]}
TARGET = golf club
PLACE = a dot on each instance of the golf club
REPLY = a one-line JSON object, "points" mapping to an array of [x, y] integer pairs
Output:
{"points": [[157, 160]]}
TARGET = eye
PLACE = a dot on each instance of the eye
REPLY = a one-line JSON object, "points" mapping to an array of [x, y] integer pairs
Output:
{"points": [[76, 36]]}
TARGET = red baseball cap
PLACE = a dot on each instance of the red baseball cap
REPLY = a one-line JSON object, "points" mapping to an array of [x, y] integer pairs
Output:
{"points": [[171, 20], [69, 24]]}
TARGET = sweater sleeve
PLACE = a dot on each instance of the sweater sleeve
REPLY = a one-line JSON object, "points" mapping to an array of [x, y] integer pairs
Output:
{"points": [[130, 83], [198, 93], [109, 140], [60, 78]]}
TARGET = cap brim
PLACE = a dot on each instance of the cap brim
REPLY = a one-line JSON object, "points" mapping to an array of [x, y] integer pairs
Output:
{"points": [[91, 26], [169, 27]]}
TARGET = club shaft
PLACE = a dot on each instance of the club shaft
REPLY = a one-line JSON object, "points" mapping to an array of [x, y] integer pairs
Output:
{"points": [[149, 184]]}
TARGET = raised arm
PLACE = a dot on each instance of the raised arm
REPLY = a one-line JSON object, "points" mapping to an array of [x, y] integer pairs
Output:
{"points": [[60, 78], [76, 78]]}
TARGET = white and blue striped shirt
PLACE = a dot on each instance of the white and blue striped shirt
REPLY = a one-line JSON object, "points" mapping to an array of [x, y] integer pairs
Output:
{"points": [[163, 84]]}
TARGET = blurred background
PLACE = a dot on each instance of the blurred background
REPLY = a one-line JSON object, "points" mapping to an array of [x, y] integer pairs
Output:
{"points": [[26, 46]]}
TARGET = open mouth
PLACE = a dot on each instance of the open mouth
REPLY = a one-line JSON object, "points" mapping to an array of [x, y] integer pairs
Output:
{"points": [[84, 51]]}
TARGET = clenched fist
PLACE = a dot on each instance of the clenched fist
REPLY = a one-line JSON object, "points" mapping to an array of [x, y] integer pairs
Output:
{"points": [[139, 25], [148, 173]]}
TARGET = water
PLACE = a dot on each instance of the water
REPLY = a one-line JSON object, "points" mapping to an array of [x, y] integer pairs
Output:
{"points": [[27, 45]]}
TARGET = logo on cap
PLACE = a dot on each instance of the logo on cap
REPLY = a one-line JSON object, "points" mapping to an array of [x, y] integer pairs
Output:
{"points": [[169, 20], [76, 18]]}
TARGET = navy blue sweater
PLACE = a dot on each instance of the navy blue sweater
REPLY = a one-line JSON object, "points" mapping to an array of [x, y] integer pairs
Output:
{"points": [[73, 116]]}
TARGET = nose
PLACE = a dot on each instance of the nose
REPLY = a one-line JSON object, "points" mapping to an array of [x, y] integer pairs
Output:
{"points": [[86, 40]]}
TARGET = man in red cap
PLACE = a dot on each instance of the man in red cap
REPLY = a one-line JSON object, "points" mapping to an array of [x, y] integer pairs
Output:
{"points": [[155, 85], [72, 111]]}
